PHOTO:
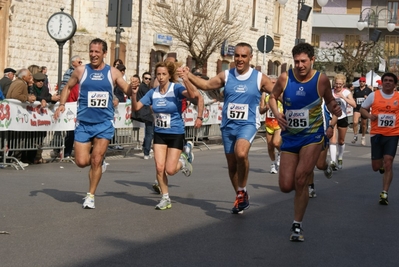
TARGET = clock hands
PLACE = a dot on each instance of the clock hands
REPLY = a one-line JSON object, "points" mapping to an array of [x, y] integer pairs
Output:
{"points": [[59, 30]]}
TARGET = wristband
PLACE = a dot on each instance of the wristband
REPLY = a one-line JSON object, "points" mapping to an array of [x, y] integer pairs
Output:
{"points": [[332, 127], [200, 118], [62, 105]]}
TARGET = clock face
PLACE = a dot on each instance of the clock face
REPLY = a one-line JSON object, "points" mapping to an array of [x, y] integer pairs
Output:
{"points": [[61, 26]]}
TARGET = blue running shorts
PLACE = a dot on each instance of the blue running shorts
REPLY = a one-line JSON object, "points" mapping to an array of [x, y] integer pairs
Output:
{"points": [[85, 131], [230, 135], [294, 143]]}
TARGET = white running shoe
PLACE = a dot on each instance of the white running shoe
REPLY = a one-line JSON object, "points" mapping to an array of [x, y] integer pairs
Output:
{"points": [[88, 202], [328, 172], [164, 204], [340, 164], [104, 166], [273, 169], [188, 149], [333, 166], [23, 165], [312, 192], [363, 140], [186, 168]]}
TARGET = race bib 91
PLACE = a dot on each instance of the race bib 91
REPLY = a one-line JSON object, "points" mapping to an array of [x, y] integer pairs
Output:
{"points": [[162, 120], [97, 99]]}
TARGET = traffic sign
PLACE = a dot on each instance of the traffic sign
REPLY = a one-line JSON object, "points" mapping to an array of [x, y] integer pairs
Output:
{"points": [[269, 44]]}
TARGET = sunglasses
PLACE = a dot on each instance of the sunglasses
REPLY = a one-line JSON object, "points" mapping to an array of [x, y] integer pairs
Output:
{"points": [[146, 78]]}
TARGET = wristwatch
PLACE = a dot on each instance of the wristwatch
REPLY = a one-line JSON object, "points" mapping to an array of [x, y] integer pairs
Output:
{"points": [[200, 118]]}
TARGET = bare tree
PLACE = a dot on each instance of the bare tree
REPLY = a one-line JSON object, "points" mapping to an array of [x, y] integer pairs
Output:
{"points": [[351, 59], [199, 26]]}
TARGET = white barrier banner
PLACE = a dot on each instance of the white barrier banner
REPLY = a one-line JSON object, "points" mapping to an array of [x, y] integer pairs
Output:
{"points": [[212, 114], [17, 116]]}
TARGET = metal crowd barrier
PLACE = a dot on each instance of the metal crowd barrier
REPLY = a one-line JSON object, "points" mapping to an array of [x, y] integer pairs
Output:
{"points": [[127, 137], [15, 142], [197, 135]]}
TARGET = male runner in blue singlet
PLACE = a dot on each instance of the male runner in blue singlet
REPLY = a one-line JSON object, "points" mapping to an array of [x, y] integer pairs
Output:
{"points": [[243, 87], [94, 126], [302, 90]]}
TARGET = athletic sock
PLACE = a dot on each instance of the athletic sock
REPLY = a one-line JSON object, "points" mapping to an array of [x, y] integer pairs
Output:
{"points": [[333, 152], [300, 223], [341, 149], [242, 189]]}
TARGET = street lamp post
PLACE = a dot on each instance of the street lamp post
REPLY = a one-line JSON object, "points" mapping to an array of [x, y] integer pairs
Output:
{"points": [[299, 23], [372, 17], [306, 9], [264, 45]]}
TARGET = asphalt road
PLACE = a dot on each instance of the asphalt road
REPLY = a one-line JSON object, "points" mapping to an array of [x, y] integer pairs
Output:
{"points": [[41, 211]]}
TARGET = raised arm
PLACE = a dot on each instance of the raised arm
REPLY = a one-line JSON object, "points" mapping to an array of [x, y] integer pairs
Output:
{"points": [[122, 84], [266, 84], [134, 88], [211, 84], [76, 74]]}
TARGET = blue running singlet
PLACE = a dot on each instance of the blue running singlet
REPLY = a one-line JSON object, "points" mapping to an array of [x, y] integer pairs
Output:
{"points": [[95, 95]]}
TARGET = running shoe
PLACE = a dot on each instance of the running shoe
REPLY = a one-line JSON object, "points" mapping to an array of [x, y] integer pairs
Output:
{"points": [[340, 164], [88, 201], [273, 168], [312, 192], [383, 198], [363, 141], [235, 209], [381, 170], [104, 166], [164, 204], [23, 165], [186, 168], [241, 203], [333, 166], [156, 188], [354, 139], [296, 233], [328, 172], [188, 149]]}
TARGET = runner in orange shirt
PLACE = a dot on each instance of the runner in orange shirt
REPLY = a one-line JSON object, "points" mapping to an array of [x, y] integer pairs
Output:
{"points": [[384, 117]]}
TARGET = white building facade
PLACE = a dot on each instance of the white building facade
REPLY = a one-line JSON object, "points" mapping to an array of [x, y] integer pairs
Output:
{"points": [[26, 41], [338, 20]]}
